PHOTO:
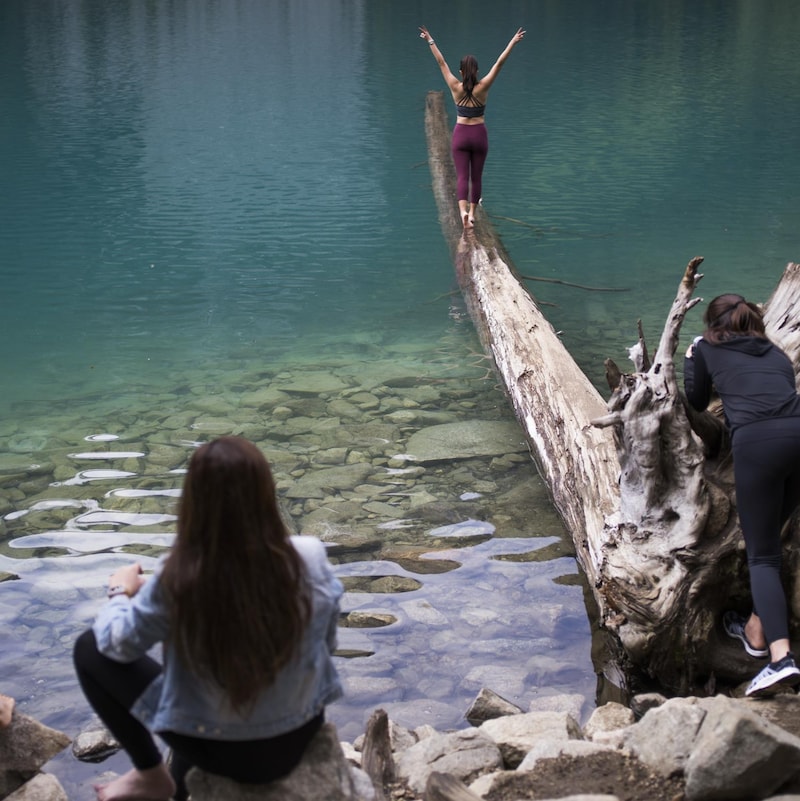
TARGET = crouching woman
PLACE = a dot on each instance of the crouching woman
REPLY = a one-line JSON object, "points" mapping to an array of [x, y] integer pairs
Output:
{"points": [[247, 617]]}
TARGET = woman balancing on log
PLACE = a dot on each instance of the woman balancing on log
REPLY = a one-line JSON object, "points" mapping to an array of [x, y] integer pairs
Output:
{"points": [[247, 617], [470, 141], [756, 383]]}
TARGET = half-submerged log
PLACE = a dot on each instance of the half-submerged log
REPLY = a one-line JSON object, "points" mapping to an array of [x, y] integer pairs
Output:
{"points": [[551, 396], [643, 483]]}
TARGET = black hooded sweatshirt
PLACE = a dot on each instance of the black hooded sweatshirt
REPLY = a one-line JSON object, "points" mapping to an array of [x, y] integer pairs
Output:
{"points": [[754, 378]]}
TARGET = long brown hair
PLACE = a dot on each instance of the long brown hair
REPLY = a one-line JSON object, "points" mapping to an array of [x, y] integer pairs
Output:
{"points": [[729, 316], [238, 596], [469, 74]]}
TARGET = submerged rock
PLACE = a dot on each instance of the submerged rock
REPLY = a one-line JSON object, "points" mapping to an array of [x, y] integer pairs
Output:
{"points": [[466, 440]]}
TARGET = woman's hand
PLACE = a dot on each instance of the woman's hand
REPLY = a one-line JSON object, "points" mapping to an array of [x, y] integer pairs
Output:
{"points": [[128, 579], [690, 349], [425, 34], [517, 37]]}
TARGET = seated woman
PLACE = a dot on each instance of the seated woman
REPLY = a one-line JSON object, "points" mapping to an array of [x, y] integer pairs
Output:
{"points": [[247, 616]]}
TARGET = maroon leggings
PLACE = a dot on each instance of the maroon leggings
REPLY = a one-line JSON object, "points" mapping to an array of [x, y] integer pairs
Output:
{"points": [[470, 148]]}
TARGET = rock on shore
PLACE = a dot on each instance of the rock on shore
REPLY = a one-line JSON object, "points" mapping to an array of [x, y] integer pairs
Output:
{"points": [[698, 749], [25, 746]]}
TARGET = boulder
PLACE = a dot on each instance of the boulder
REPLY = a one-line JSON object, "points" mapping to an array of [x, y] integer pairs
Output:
{"points": [[783, 710], [488, 705], [738, 755], [94, 742], [26, 744], [644, 702], [517, 734], [42, 787], [607, 718], [322, 775], [465, 754], [552, 749], [664, 738]]}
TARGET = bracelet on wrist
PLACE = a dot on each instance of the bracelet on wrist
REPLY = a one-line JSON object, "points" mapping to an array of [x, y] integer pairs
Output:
{"points": [[117, 589], [431, 42]]}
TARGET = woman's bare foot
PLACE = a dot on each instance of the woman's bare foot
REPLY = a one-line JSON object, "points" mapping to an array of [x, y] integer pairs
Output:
{"points": [[6, 711], [467, 221], [153, 784]]}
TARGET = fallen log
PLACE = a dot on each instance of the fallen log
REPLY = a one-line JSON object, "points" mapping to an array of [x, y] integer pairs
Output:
{"points": [[643, 484], [551, 396]]}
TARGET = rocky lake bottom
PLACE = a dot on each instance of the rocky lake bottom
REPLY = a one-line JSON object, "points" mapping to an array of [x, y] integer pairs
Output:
{"points": [[407, 462]]}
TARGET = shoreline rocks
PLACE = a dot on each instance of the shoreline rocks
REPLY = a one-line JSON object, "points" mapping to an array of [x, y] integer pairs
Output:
{"points": [[697, 749], [25, 746]]}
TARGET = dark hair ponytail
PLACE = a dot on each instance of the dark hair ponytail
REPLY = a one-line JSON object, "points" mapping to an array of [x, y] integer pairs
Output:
{"points": [[729, 316], [469, 73]]}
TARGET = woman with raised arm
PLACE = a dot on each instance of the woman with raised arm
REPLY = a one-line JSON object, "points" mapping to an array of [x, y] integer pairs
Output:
{"points": [[470, 144], [755, 380], [247, 617]]}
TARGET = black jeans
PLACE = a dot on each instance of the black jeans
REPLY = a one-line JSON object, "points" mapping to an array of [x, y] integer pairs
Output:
{"points": [[766, 465], [112, 688]]}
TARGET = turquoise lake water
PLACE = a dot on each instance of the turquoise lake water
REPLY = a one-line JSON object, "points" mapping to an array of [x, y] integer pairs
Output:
{"points": [[203, 199]]}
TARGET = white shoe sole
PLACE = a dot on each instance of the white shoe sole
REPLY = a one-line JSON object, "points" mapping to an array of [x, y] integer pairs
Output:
{"points": [[768, 685]]}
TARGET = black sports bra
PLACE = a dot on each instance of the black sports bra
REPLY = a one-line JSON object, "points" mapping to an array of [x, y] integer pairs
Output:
{"points": [[470, 111], [474, 110]]}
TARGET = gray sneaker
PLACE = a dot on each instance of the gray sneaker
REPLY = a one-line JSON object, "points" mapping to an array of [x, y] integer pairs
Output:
{"points": [[783, 673], [733, 624]]}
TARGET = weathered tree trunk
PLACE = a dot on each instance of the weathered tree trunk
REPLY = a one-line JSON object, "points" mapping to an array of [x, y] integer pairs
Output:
{"points": [[782, 315], [666, 540], [675, 560], [643, 483]]}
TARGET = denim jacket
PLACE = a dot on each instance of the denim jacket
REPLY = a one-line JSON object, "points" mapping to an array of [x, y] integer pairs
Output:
{"points": [[178, 700]]}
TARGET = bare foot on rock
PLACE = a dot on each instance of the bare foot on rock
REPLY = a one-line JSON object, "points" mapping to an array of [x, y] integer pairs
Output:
{"points": [[154, 784], [467, 221], [6, 711]]}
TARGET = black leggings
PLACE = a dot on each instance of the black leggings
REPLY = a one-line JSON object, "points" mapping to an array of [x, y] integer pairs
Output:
{"points": [[112, 688], [766, 461]]}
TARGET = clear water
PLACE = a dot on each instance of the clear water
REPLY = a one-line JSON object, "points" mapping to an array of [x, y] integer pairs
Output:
{"points": [[204, 199]]}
